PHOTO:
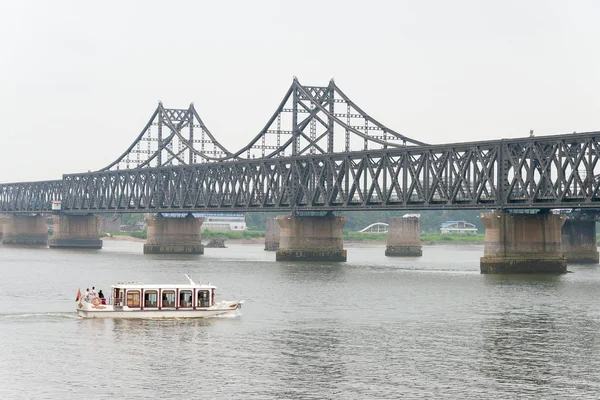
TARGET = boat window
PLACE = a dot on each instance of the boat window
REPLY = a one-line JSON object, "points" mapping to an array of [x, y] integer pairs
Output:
{"points": [[203, 298], [168, 298], [151, 298], [185, 298], [133, 298]]}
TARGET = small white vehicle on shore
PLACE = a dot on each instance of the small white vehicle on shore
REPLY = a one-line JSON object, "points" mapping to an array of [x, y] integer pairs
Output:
{"points": [[138, 300]]}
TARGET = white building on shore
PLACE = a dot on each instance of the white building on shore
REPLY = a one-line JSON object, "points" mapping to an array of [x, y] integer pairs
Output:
{"points": [[223, 222], [458, 227]]}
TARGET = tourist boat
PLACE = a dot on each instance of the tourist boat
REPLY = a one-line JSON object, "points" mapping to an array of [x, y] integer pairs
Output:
{"points": [[138, 300]]}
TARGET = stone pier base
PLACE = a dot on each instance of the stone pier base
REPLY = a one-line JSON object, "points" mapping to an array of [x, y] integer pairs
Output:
{"points": [[29, 230], [403, 251], [579, 242], [522, 243], [173, 235], [311, 238], [3, 219], [404, 237], [272, 235], [75, 232]]}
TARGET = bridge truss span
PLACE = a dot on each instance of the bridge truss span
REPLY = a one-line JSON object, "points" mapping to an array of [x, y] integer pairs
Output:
{"points": [[309, 120], [29, 196], [319, 151], [549, 172]]}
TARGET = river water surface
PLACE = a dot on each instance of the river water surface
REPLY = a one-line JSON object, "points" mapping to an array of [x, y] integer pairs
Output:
{"points": [[370, 328]]}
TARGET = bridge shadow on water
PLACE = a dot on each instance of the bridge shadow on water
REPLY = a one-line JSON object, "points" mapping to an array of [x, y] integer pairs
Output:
{"points": [[537, 333], [535, 280], [312, 271]]}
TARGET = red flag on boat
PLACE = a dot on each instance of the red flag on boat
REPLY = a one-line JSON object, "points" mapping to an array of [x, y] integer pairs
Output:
{"points": [[78, 295]]}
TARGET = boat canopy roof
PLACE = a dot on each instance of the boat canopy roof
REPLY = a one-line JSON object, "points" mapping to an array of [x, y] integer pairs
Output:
{"points": [[139, 285]]}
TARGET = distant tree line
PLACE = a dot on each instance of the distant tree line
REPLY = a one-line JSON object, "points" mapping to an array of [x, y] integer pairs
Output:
{"points": [[357, 220]]}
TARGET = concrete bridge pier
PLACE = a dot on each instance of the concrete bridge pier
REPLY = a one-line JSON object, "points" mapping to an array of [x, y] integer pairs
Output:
{"points": [[30, 230], [3, 219], [75, 232], [272, 235], [579, 242], [522, 243], [311, 238], [174, 235], [404, 237]]}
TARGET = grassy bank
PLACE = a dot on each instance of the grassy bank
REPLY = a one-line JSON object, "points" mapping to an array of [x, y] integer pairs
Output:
{"points": [[425, 237], [438, 238], [205, 235], [233, 234], [135, 234], [355, 236]]}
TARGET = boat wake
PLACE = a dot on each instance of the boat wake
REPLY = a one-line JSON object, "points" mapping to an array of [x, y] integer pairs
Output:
{"points": [[234, 314], [38, 315]]}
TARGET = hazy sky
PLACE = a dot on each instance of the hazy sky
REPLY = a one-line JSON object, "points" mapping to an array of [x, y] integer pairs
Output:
{"points": [[79, 80]]}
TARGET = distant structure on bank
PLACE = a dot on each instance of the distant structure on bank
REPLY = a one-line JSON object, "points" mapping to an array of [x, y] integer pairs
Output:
{"points": [[458, 227], [223, 222], [377, 227], [110, 223]]}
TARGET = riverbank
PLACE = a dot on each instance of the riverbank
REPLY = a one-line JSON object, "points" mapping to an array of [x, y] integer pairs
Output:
{"points": [[350, 242], [250, 237]]}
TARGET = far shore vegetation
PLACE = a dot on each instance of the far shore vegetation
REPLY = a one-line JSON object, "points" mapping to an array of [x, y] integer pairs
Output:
{"points": [[426, 238], [430, 221]]}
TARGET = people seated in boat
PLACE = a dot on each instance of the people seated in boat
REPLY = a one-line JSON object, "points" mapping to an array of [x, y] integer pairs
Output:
{"points": [[101, 296], [93, 291], [87, 296], [183, 302]]}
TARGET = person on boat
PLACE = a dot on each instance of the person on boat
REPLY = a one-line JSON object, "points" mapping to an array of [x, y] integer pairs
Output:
{"points": [[101, 296], [93, 291], [87, 297]]}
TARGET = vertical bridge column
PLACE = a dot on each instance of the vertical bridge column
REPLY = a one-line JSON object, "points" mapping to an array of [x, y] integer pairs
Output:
{"points": [[174, 235], [404, 237], [272, 235], [25, 230], [522, 243], [75, 232], [3, 220], [579, 241], [311, 238]]}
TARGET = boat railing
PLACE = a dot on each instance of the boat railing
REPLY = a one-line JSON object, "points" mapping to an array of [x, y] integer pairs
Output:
{"points": [[116, 301]]}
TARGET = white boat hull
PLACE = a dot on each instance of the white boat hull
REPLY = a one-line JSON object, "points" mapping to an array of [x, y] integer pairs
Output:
{"points": [[87, 310]]}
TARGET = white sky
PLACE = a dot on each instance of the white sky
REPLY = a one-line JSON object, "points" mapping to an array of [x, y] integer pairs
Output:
{"points": [[79, 80]]}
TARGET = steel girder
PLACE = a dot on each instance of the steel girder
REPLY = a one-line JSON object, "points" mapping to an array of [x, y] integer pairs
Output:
{"points": [[550, 172], [309, 120], [29, 196], [299, 161]]}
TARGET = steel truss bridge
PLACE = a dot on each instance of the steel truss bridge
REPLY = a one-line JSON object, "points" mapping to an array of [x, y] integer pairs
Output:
{"points": [[320, 151]]}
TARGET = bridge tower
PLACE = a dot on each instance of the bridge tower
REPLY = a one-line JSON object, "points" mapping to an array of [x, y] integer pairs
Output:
{"points": [[173, 235], [522, 243], [3, 219], [404, 237], [311, 238], [579, 241], [29, 230], [272, 235], [76, 232]]}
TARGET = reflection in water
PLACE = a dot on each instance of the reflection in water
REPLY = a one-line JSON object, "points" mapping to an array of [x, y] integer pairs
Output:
{"points": [[309, 357], [528, 345], [519, 347], [373, 327]]}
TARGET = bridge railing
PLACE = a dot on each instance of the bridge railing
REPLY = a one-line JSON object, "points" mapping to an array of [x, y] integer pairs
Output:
{"points": [[29, 196], [546, 172]]}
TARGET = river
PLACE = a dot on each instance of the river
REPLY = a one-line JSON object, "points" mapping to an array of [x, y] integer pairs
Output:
{"points": [[370, 328]]}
